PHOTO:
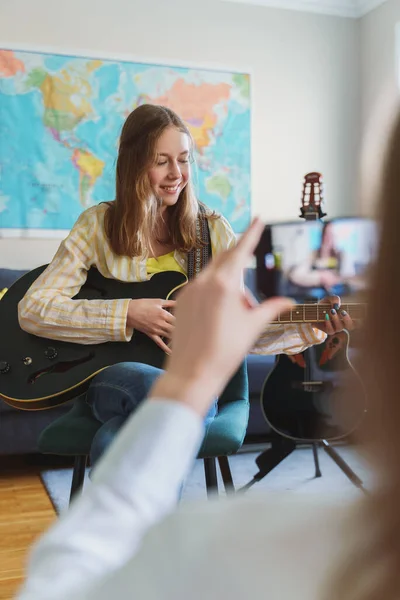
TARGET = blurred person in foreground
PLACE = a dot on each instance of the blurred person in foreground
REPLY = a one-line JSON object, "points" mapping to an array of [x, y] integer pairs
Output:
{"points": [[124, 538]]}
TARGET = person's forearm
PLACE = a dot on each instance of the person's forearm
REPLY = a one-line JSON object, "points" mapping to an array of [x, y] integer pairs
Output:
{"points": [[50, 315], [288, 339], [48, 309], [134, 485], [304, 276]]}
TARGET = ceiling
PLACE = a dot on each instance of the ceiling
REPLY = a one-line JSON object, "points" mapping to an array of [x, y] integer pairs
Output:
{"points": [[344, 8]]}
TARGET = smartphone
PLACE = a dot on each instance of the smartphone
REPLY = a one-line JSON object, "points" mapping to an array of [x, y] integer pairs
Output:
{"points": [[306, 260]]}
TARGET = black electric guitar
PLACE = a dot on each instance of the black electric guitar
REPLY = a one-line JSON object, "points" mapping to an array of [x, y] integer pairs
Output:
{"points": [[302, 398], [37, 373]]}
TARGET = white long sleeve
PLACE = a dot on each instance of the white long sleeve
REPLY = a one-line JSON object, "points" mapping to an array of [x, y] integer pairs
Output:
{"points": [[118, 541], [134, 485]]}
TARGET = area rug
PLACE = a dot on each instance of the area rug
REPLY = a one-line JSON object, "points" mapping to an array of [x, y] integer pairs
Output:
{"points": [[295, 473]]}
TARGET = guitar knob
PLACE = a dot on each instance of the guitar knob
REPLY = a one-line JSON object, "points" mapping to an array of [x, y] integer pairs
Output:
{"points": [[51, 353], [4, 367]]}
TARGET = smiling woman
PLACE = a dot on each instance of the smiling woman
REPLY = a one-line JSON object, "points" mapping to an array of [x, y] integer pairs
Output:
{"points": [[155, 209], [171, 172], [155, 215], [169, 176], [151, 226]]}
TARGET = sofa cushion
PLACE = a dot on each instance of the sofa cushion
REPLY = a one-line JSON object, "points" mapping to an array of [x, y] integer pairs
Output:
{"points": [[258, 367], [8, 276]]}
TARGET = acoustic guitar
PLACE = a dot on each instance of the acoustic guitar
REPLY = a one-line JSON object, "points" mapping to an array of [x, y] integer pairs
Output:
{"points": [[37, 373], [302, 398]]}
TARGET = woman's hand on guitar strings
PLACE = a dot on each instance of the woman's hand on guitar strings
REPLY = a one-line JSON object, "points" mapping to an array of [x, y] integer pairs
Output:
{"points": [[217, 323], [338, 319], [150, 316]]}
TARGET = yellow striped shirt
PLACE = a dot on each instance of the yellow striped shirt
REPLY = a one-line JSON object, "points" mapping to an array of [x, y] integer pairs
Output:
{"points": [[47, 309]]}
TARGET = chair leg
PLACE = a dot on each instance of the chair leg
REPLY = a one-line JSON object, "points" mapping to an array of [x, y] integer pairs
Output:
{"points": [[226, 474], [210, 470], [78, 475], [316, 460]]}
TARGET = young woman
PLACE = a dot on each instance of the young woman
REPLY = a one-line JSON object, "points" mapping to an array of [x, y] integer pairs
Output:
{"points": [[148, 228]]}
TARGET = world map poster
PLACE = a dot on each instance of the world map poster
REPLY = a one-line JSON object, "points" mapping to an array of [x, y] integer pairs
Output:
{"points": [[60, 120]]}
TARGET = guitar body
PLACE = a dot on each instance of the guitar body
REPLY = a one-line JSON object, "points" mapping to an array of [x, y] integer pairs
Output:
{"points": [[304, 398], [37, 373]]}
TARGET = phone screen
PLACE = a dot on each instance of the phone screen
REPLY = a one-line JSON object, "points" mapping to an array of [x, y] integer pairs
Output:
{"points": [[306, 260]]}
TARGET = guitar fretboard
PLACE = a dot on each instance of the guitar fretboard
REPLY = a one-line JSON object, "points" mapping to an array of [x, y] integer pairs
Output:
{"points": [[315, 313]]}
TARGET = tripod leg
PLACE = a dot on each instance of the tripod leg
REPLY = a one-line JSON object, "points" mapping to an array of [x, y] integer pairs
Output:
{"points": [[269, 459], [316, 460], [343, 465]]}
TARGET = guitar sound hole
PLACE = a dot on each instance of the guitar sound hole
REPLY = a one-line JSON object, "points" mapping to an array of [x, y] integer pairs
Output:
{"points": [[60, 367]]}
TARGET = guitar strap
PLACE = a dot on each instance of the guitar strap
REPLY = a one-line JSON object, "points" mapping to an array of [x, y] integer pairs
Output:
{"points": [[199, 257]]}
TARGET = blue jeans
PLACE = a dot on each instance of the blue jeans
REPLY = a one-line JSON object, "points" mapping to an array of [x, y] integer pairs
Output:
{"points": [[115, 393]]}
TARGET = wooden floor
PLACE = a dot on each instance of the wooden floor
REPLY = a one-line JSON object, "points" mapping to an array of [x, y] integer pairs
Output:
{"points": [[25, 512]]}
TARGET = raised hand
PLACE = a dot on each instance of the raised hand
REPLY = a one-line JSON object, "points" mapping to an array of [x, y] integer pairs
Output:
{"points": [[217, 323]]}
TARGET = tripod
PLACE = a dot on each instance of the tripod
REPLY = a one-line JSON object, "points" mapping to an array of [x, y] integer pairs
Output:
{"points": [[311, 210], [282, 447]]}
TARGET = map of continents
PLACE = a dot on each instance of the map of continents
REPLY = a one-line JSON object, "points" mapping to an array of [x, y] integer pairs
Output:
{"points": [[60, 119]]}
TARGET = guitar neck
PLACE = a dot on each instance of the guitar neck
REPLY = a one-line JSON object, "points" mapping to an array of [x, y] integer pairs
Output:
{"points": [[315, 313]]}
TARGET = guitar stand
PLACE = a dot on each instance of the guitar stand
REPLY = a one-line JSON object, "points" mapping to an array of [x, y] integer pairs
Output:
{"points": [[343, 465], [281, 448]]}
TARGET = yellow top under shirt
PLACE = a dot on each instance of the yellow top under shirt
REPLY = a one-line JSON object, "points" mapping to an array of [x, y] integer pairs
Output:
{"points": [[47, 309], [166, 262]]}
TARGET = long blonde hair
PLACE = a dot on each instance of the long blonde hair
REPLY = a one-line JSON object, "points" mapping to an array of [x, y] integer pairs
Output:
{"points": [[373, 573], [131, 219]]}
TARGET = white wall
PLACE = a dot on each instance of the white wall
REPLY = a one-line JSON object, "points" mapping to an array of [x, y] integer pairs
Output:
{"points": [[379, 90], [305, 71]]}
